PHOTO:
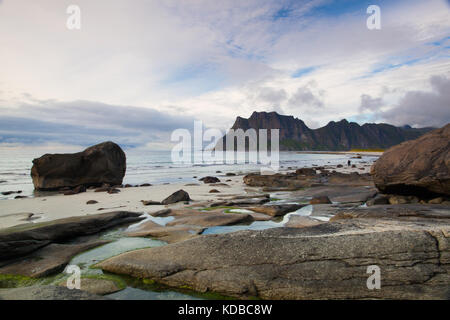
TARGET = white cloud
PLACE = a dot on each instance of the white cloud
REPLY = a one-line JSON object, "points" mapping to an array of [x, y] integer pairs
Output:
{"points": [[214, 60]]}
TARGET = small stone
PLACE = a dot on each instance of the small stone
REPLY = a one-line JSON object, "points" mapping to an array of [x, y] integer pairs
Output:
{"points": [[177, 196], [209, 179], [150, 202], [214, 191], [91, 202]]}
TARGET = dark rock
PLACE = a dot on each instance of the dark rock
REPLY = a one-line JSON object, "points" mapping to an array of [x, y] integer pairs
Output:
{"points": [[161, 213], [214, 191], [23, 239], [76, 190], [102, 163], [150, 203], [92, 202], [211, 219], [241, 202], [379, 199], [48, 260], [276, 181], [230, 174], [177, 196], [20, 197], [102, 189], [420, 167], [320, 200], [306, 171], [209, 179], [145, 185], [7, 193], [113, 190], [277, 210]]}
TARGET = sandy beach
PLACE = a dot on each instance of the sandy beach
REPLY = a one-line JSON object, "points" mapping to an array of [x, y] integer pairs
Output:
{"points": [[17, 211]]}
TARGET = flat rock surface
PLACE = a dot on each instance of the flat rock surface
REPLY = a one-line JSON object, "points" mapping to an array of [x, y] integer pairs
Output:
{"points": [[169, 234], [47, 293], [316, 262], [301, 222], [96, 286], [210, 219], [277, 209], [48, 260], [23, 239]]}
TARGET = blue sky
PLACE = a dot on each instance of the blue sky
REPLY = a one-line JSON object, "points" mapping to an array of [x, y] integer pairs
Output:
{"points": [[175, 61]]}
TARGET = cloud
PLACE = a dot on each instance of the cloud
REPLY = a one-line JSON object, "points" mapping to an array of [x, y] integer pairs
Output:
{"points": [[370, 104], [304, 97], [86, 123], [213, 61], [422, 108], [272, 96]]}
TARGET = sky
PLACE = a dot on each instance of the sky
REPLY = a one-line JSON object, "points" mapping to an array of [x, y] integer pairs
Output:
{"points": [[137, 70]]}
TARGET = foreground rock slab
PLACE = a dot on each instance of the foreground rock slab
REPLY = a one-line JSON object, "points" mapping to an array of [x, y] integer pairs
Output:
{"points": [[46, 293], [97, 286], [24, 239], [326, 261], [48, 260]]}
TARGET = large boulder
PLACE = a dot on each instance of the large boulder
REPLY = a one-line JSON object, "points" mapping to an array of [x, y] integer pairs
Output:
{"points": [[323, 261], [97, 165], [420, 167]]}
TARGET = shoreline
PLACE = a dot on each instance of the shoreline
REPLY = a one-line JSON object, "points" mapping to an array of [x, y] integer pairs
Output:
{"points": [[56, 206], [362, 153]]}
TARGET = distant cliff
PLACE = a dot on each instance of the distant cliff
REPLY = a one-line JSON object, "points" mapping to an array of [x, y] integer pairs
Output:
{"points": [[335, 136]]}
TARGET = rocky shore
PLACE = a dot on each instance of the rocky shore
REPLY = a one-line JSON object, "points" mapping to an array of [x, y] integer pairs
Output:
{"points": [[306, 233]]}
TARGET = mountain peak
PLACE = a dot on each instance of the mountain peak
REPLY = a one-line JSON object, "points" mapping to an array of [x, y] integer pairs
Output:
{"points": [[341, 135]]}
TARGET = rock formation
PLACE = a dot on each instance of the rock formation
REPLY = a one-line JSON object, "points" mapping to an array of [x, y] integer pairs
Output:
{"points": [[420, 167], [342, 135], [97, 165]]}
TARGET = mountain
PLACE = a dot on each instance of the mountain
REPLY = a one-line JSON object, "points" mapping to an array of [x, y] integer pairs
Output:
{"points": [[335, 136]]}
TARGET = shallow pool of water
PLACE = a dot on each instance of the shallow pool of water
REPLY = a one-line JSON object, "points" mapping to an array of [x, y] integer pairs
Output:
{"points": [[259, 225], [89, 258]]}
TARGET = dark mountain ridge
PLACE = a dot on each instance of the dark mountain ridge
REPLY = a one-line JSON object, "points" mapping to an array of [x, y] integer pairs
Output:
{"points": [[335, 136]]}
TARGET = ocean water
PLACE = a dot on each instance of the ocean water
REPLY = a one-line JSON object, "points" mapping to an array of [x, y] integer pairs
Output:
{"points": [[149, 166]]}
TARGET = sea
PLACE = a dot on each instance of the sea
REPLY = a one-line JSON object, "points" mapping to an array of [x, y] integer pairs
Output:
{"points": [[151, 166]]}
